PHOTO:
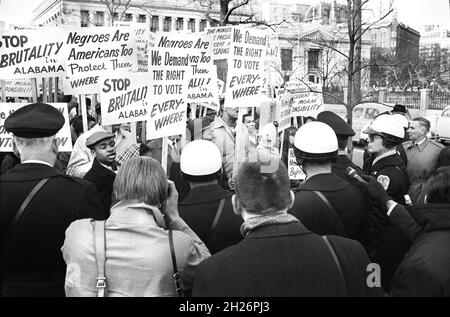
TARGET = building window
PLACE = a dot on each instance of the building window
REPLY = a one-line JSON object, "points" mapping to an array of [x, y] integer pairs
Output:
{"points": [[179, 25], [116, 16], [155, 23], [99, 18], [141, 18], [313, 59], [166, 25], [84, 18], [191, 25], [203, 25], [128, 17], [286, 59]]}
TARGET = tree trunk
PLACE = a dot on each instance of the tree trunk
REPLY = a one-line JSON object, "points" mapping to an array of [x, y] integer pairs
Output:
{"points": [[223, 12], [357, 64]]}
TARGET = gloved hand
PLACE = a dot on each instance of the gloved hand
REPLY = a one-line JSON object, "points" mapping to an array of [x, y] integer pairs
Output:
{"points": [[374, 190]]}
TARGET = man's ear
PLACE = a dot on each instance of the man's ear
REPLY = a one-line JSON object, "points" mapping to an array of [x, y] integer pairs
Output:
{"points": [[236, 205], [93, 153], [425, 199], [55, 146], [15, 149], [292, 199]]}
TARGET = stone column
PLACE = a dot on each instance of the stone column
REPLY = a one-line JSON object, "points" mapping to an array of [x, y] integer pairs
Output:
{"points": [[382, 95], [160, 23], [173, 23], [185, 23], [91, 21], [197, 25], [424, 101]]}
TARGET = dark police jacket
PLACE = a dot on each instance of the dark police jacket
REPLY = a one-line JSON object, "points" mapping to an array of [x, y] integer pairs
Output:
{"points": [[198, 210], [32, 256], [425, 270], [285, 260], [338, 168], [103, 179], [393, 243], [348, 201]]}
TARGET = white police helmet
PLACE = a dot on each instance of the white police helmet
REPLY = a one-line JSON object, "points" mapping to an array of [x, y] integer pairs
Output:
{"points": [[388, 126], [200, 161], [401, 119], [316, 141]]}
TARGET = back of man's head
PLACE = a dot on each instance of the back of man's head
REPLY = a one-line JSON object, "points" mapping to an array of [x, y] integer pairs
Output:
{"points": [[260, 190], [438, 186]]}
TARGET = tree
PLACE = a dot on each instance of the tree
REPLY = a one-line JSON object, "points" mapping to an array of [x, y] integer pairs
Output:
{"points": [[118, 8]]}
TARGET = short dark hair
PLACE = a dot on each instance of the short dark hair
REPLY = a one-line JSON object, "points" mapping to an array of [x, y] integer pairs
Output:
{"points": [[437, 188], [77, 123], [423, 122], [342, 142], [260, 192]]}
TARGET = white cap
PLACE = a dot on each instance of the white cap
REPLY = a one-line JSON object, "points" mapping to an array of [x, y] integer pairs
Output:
{"points": [[316, 140], [200, 158], [401, 119], [387, 125]]}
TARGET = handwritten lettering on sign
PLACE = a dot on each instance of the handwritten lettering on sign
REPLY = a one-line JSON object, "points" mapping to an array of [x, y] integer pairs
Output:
{"points": [[245, 77], [295, 172], [220, 37], [168, 68], [124, 97], [93, 52], [31, 53], [307, 99], [63, 137]]}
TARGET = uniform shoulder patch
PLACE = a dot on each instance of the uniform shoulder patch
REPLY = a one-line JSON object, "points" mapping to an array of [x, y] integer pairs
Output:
{"points": [[384, 181]]}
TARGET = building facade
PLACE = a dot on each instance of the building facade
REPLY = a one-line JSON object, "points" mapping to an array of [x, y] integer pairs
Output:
{"points": [[166, 15]]}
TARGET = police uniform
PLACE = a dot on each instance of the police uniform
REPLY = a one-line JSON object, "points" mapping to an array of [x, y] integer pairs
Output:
{"points": [[326, 203], [422, 158], [342, 130], [207, 209], [31, 253]]}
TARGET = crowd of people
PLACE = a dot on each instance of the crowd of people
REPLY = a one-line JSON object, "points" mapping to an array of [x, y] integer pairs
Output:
{"points": [[222, 217]]}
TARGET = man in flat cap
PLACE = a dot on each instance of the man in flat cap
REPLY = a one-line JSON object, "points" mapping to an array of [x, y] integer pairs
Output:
{"points": [[38, 203], [343, 131], [103, 171]]}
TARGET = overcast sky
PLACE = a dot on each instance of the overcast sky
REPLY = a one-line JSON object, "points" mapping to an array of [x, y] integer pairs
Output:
{"points": [[415, 13]]}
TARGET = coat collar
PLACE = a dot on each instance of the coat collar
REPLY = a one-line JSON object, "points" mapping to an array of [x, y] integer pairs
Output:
{"points": [[420, 146], [30, 171], [132, 212], [391, 160], [432, 217], [324, 182], [204, 194], [278, 230], [101, 170]]}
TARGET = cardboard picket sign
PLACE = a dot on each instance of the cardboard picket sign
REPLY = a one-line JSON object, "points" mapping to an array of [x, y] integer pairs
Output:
{"points": [[246, 66], [168, 68], [305, 102], [285, 103], [295, 172], [202, 73], [63, 137], [31, 53], [220, 38], [124, 97], [144, 40], [92, 52], [18, 88]]}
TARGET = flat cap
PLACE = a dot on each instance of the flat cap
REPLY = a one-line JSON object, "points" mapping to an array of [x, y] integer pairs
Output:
{"points": [[339, 126], [36, 120], [97, 137], [399, 108]]}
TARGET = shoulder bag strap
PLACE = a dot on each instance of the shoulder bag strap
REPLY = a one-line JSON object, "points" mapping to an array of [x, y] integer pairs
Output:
{"points": [[332, 212], [100, 256], [25, 203], [216, 220], [336, 261], [176, 274]]}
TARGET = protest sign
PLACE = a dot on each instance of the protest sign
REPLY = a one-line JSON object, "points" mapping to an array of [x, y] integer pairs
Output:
{"points": [[245, 77], [285, 103], [31, 53], [91, 52], [123, 97], [168, 67], [18, 88], [268, 112], [220, 37], [63, 137], [295, 172], [202, 73], [307, 99], [144, 40]]}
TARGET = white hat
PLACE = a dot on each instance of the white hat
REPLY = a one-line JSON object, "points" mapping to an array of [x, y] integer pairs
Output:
{"points": [[401, 119], [316, 141], [386, 125], [200, 161]]}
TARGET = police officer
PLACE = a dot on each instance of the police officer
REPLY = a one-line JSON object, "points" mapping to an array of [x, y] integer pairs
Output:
{"points": [[38, 203], [385, 134], [326, 203], [343, 132], [207, 208]]}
